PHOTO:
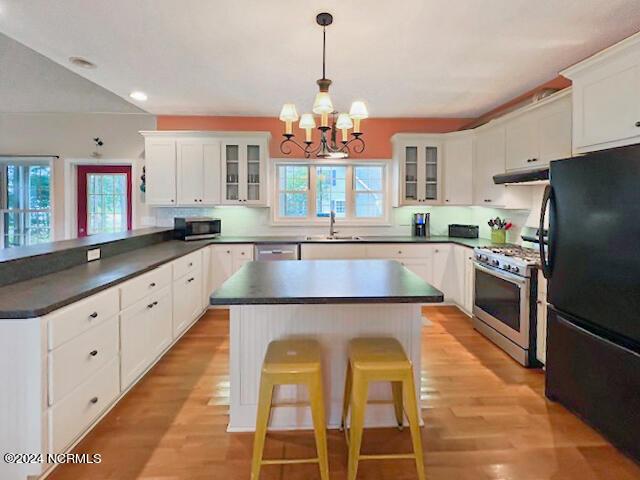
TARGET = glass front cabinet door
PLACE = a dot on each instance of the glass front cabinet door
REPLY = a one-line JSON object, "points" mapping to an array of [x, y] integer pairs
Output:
{"points": [[244, 172], [419, 172]]}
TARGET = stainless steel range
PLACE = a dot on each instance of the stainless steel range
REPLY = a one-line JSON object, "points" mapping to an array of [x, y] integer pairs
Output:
{"points": [[504, 303]]}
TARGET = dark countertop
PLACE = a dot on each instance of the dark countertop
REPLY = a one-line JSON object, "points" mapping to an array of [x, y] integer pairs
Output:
{"points": [[324, 282], [42, 295], [8, 254], [465, 242]]}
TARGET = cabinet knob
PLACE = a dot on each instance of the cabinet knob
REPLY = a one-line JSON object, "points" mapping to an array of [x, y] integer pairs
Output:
{"points": [[638, 123], [93, 353], [152, 284], [241, 253], [172, 200], [94, 400], [94, 315], [150, 305], [191, 264], [447, 200], [228, 251]]}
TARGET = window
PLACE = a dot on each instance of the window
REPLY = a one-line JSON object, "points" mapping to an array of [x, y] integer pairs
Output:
{"points": [[369, 191], [293, 191], [106, 203], [308, 192], [25, 202]]}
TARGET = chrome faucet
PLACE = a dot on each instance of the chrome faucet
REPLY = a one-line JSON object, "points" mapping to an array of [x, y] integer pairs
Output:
{"points": [[332, 222]]}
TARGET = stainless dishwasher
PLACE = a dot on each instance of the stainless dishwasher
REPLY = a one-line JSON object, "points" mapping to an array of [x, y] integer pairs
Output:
{"points": [[277, 251]]}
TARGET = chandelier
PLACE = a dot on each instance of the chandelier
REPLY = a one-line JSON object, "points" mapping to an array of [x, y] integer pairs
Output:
{"points": [[330, 120]]}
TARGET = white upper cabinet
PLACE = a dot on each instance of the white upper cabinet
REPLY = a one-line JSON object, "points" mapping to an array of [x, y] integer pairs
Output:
{"points": [[606, 97], [160, 171], [198, 171], [244, 172], [489, 160], [418, 169], [538, 134], [458, 169], [206, 168]]}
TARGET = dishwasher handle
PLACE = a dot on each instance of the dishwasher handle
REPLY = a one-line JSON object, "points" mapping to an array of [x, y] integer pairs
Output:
{"points": [[277, 252]]}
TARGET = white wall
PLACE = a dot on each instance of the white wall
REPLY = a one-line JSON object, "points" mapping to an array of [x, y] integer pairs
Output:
{"points": [[70, 136]]}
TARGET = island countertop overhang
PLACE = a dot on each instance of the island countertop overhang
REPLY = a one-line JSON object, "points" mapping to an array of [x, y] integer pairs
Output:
{"points": [[324, 282]]}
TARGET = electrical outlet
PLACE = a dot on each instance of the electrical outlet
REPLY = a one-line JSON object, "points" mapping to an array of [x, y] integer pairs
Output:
{"points": [[93, 254]]}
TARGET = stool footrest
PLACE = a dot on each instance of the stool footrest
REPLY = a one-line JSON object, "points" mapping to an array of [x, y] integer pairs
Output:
{"points": [[387, 456], [290, 461]]}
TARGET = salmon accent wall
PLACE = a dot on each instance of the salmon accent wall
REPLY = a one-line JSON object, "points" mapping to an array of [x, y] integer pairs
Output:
{"points": [[377, 131]]}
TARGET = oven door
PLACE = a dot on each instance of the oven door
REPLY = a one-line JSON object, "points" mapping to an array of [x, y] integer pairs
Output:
{"points": [[501, 300]]}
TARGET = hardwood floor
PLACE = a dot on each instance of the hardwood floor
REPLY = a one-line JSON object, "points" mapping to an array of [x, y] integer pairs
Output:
{"points": [[485, 418]]}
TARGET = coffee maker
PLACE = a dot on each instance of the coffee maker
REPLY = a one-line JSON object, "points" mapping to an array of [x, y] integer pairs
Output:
{"points": [[420, 225]]}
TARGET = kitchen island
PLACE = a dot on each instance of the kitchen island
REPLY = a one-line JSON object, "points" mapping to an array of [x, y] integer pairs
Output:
{"points": [[332, 301]]}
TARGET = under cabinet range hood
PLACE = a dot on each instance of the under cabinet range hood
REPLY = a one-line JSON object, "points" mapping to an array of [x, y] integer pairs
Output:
{"points": [[533, 177]]}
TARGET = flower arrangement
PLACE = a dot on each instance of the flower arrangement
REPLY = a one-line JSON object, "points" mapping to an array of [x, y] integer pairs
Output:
{"points": [[499, 229]]}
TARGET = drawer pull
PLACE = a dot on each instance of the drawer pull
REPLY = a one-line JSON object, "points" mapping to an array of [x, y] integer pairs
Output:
{"points": [[152, 284], [399, 252], [150, 305], [191, 264], [638, 123], [94, 315], [93, 353], [94, 400], [190, 280]]}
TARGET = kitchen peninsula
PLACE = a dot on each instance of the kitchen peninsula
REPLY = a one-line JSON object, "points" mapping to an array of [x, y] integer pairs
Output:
{"points": [[331, 301]]}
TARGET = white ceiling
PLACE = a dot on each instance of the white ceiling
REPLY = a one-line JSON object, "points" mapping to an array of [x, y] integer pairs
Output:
{"points": [[422, 58], [30, 82]]}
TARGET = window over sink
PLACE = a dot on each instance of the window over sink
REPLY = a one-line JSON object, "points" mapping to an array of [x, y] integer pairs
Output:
{"points": [[307, 192]]}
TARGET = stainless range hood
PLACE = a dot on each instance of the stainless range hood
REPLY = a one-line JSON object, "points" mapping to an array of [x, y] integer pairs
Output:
{"points": [[532, 177]]}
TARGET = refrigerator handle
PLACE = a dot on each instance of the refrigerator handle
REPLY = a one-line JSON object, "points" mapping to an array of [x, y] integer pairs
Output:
{"points": [[544, 260]]}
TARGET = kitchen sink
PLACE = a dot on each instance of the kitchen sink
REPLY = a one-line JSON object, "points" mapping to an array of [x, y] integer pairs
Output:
{"points": [[328, 238]]}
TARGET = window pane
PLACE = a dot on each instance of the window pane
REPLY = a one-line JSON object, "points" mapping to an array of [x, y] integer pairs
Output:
{"points": [[13, 182], [293, 177], [331, 187], [39, 187], [106, 203], [369, 204], [293, 204], [368, 178]]}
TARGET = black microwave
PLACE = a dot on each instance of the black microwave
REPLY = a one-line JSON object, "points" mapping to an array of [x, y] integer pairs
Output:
{"points": [[196, 228]]}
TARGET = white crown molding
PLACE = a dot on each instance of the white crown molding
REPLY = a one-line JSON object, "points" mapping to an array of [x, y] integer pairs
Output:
{"points": [[617, 50]]}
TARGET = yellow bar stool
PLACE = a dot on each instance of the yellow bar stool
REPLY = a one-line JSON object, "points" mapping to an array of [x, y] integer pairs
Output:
{"points": [[291, 362], [379, 360]]}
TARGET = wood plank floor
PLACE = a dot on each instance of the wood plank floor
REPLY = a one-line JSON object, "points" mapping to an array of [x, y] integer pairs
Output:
{"points": [[486, 418]]}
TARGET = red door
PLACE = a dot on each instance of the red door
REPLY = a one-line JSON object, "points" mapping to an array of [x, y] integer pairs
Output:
{"points": [[104, 199]]}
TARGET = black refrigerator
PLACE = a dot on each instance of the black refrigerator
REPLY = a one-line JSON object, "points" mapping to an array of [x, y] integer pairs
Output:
{"points": [[592, 262]]}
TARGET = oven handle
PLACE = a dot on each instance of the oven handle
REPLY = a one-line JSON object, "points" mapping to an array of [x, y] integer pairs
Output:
{"points": [[509, 277]]}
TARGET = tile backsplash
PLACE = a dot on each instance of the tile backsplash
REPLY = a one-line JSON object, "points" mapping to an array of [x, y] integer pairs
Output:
{"points": [[250, 221]]}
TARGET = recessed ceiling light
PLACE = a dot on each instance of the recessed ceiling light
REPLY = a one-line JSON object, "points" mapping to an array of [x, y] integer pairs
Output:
{"points": [[140, 96], [82, 62]]}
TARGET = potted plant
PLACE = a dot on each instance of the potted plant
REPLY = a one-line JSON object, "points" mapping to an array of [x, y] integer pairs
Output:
{"points": [[499, 229]]}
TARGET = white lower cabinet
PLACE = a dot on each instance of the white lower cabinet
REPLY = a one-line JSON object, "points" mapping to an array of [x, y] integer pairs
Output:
{"points": [[448, 272], [469, 280], [318, 251], [146, 330], [73, 414], [541, 325], [225, 260], [187, 300]]}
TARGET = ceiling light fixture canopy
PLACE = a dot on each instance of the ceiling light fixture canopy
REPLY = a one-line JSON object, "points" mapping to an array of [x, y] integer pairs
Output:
{"points": [[330, 120]]}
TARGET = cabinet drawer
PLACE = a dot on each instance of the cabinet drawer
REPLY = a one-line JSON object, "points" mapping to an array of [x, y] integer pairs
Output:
{"points": [[74, 319], [186, 264], [75, 361], [70, 417], [397, 250], [140, 287]]}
